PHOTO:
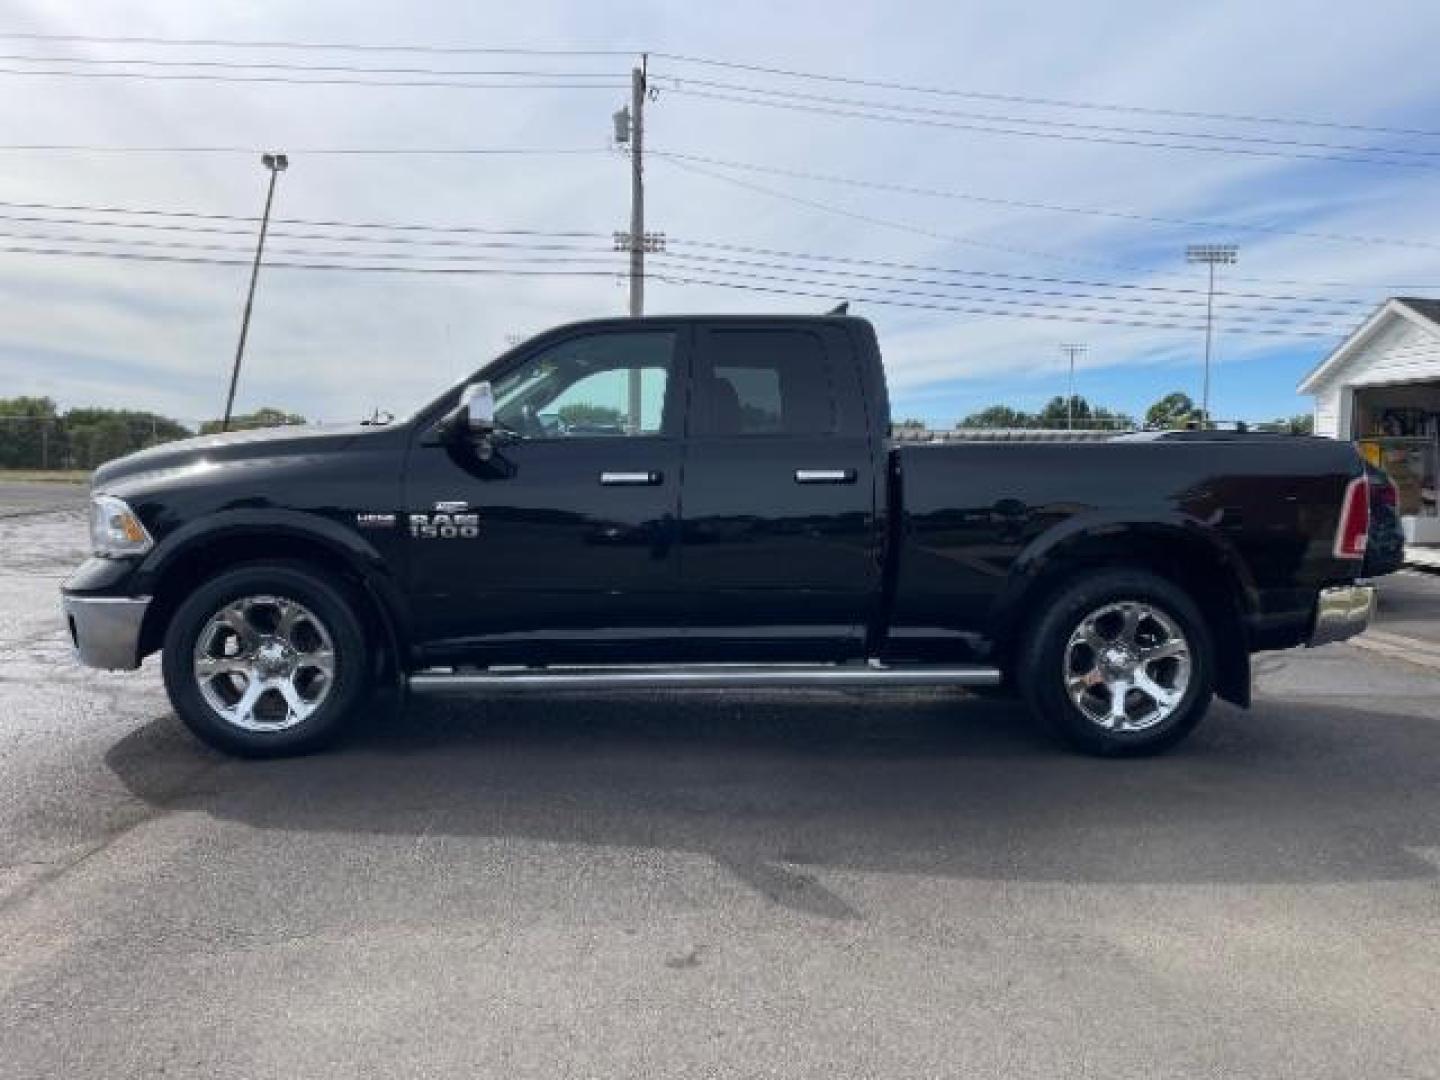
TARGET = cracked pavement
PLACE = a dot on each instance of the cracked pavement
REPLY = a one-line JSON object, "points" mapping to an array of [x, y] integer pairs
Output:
{"points": [[805, 884]]}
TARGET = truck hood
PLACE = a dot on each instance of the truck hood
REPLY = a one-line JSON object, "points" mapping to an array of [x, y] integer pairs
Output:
{"points": [[231, 447]]}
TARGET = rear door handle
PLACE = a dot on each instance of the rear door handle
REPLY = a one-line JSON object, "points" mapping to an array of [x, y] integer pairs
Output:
{"points": [[630, 479], [824, 476]]}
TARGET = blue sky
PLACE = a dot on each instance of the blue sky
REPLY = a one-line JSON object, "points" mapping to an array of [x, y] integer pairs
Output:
{"points": [[334, 345]]}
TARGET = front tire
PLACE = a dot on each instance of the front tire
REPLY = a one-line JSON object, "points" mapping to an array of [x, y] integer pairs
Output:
{"points": [[1119, 664], [266, 660]]}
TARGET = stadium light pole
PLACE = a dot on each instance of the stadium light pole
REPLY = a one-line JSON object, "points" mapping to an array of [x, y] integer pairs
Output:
{"points": [[1211, 255], [1072, 351], [276, 163]]}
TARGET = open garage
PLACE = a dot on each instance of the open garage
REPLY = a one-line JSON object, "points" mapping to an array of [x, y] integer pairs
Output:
{"points": [[1381, 387]]}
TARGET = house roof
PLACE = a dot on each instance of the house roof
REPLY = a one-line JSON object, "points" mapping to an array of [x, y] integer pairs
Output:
{"points": [[1420, 310], [1430, 309]]}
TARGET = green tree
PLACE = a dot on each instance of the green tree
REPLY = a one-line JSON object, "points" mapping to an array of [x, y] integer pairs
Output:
{"points": [[263, 417], [998, 416], [92, 436], [28, 432], [1172, 411], [1058, 412]]}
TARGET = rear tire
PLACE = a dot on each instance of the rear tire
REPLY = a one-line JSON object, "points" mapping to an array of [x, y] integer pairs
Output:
{"points": [[1118, 664], [266, 660]]}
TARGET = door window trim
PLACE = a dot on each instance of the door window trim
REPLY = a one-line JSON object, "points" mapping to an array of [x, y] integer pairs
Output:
{"points": [[697, 355], [673, 419]]}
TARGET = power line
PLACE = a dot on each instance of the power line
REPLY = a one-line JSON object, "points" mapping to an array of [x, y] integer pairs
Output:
{"points": [[201, 260], [459, 151], [271, 65], [1048, 102], [313, 222], [157, 76], [230, 43], [989, 200], [1009, 249], [1197, 305], [1110, 140], [463, 261], [885, 106], [601, 255], [1007, 301], [1082, 282], [358, 238], [413, 227], [762, 69], [183, 245], [703, 245], [996, 308], [1044, 316]]}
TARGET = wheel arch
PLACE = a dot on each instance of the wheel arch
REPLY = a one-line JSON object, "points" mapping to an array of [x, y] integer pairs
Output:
{"points": [[1181, 550], [223, 541]]}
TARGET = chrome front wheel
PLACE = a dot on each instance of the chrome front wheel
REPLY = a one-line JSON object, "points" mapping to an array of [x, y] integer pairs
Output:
{"points": [[264, 663]]}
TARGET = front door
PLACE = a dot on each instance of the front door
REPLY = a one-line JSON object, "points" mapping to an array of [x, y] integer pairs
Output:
{"points": [[561, 545]]}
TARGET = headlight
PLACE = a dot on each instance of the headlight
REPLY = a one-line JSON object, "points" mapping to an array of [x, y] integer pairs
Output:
{"points": [[114, 528]]}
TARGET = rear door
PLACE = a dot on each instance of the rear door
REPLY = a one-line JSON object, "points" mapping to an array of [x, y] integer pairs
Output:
{"points": [[779, 535]]}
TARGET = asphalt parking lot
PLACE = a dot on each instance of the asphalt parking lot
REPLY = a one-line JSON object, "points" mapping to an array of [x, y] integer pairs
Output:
{"points": [[809, 884]]}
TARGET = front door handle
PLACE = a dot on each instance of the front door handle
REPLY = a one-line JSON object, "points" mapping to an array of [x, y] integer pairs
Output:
{"points": [[824, 476], [630, 479]]}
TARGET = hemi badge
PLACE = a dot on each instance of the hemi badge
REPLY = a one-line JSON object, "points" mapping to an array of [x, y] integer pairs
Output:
{"points": [[451, 506], [375, 521]]}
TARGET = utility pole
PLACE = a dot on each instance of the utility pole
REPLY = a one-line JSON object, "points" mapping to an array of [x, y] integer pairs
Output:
{"points": [[1072, 351], [637, 189], [630, 128], [1211, 255], [276, 163]]}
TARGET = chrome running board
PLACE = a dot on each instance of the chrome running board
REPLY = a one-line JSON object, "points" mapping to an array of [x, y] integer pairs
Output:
{"points": [[700, 677]]}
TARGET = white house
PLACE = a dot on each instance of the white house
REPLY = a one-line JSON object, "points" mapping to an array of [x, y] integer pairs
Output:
{"points": [[1381, 387]]}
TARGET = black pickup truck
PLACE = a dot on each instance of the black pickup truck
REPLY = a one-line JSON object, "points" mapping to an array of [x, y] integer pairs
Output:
{"points": [[710, 502]]}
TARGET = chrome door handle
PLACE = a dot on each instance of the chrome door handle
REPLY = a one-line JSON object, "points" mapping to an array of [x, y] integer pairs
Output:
{"points": [[824, 476], [630, 479]]}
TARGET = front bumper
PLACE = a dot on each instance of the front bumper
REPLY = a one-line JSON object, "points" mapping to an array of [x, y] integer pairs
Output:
{"points": [[1342, 613], [106, 629]]}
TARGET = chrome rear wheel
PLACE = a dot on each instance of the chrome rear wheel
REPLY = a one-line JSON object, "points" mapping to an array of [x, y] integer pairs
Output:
{"points": [[1127, 666]]}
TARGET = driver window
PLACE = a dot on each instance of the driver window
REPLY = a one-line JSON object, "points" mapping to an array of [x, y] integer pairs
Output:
{"points": [[611, 384]]}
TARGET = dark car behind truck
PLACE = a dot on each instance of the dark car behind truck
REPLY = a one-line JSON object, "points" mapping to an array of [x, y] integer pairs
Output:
{"points": [[711, 502]]}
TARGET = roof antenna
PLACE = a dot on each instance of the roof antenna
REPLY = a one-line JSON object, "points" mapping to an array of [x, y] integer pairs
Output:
{"points": [[842, 308]]}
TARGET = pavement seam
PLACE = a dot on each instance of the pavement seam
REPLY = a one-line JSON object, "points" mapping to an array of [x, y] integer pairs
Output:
{"points": [[1411, 650]]}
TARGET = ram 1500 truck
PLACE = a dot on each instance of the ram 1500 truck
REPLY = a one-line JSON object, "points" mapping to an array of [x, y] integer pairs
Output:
{"points": [[710, 502]]}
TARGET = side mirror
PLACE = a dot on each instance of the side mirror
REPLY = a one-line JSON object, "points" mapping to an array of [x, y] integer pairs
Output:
{"points": [[477, 410]]}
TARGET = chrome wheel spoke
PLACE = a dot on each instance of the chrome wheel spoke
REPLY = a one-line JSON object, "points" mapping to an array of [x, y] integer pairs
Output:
{"points": [[1130, 615], [235, 618], [244, 709], [321, 660], [207, 667], [291, 616], [1165, 650], [297, 707], [1162, 696]]}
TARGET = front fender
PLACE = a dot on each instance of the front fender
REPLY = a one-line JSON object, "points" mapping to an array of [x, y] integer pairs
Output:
{"points": [[270, 531]]}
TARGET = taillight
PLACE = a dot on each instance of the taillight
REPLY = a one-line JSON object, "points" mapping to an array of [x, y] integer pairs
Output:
{"points": [[1354, 528]]}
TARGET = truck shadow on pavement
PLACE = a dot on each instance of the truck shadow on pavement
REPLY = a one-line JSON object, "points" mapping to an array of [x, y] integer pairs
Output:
{"points": [[782, 787]]}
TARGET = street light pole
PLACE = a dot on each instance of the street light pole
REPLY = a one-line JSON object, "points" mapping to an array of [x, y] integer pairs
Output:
{"points": [[1211, 255], [276, 163]]}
